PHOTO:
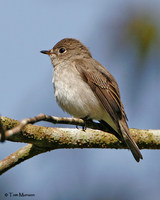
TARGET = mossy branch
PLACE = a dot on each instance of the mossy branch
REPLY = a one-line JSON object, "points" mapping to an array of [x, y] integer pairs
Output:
{"points": [[44, 139]]}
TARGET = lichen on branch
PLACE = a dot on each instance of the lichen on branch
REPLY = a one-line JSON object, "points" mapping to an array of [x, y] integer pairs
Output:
{"points": [[43, 139]]}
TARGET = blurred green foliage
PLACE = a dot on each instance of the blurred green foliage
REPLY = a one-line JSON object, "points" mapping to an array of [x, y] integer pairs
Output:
{"points": [[143, 32]]}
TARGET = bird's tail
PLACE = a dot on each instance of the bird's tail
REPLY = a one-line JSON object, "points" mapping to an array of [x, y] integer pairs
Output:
{"points": [[129, 141]]}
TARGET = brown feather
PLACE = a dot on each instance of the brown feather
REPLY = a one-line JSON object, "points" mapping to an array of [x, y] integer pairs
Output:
{"points": [[103, 87], [106, 89]]}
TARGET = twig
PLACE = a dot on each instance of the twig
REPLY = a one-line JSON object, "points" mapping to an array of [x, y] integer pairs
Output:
{"points": [[54, 120], [44, 139]]}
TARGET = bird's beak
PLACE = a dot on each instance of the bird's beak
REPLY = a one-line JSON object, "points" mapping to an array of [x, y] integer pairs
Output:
{"points": [[46, 52]]}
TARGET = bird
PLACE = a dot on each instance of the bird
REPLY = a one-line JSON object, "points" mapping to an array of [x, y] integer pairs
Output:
{"points": [[85, 89]]}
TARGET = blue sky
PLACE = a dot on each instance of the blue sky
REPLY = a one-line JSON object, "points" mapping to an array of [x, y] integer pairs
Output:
{"points": [[26, 90]]}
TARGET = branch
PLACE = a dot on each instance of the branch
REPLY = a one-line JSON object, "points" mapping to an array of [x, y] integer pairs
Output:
{"points": [[19, 156], [44, 139], [54, 120], [2, 131]]}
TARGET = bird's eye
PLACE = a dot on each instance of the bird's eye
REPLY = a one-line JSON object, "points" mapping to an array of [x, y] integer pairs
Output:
{"points": [[62, 50]]}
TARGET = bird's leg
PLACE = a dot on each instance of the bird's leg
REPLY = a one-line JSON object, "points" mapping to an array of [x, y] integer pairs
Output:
{"points": [[86, 120]]}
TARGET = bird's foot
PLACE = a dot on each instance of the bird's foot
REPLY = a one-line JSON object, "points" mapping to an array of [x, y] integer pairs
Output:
{"points": [[86, 120]]}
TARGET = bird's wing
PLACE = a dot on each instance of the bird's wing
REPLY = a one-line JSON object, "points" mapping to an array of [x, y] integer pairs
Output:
{"points": [[104, 87]]}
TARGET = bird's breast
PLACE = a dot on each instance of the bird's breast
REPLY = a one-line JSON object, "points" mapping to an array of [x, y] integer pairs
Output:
{"points": [[74, 95]]}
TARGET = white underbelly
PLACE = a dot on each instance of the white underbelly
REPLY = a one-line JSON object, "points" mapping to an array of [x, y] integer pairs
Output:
{"points": [[76, 97]]}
